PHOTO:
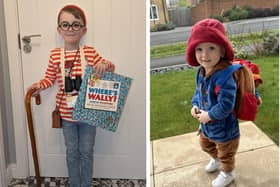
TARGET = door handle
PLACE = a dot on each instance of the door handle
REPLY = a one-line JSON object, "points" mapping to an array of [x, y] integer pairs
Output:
{"points": [[27, 40]]}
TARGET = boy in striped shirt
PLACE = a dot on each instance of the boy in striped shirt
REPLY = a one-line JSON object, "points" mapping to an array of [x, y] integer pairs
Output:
{"points": [[66, 65]]}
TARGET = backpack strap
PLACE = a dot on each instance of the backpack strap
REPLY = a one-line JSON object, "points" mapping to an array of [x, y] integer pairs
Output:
{"points": [[248, 106], [225, 75], [62, 62]]}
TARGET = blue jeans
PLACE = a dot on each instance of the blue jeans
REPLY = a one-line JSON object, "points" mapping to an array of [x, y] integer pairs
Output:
{"points": [[79, 140]]}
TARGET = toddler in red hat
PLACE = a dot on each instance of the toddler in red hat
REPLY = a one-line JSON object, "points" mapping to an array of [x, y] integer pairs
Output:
{"points": [[209, 48]]}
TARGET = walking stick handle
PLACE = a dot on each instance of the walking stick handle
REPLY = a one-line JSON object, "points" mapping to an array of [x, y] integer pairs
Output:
{"points": [[31, 132]]}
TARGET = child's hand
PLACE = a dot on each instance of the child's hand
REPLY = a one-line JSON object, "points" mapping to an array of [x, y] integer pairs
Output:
{"points": [[195, 111], [203, 117], [100, 68], [36, 87], [259, 101]]}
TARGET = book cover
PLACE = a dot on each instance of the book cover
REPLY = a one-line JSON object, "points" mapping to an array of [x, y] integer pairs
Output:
{"points": [[101, 101], [102, 95]]}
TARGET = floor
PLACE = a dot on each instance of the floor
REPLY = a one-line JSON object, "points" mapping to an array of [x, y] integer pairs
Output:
{"points": [[178, 161], [63, 182]]}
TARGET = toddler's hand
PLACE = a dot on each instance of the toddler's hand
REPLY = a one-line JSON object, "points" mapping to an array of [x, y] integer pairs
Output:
{"points": [[203, 117], [259, 100], [195, 111], [100, 68], [36, 87]]}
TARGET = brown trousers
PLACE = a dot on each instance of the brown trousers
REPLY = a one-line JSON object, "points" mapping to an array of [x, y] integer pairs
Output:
{"points": [[225, 152]]}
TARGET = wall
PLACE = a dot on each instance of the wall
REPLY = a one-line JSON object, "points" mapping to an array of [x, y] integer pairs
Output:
{"points": [[162, 13], [180, 16], [210, 7], [5, 92]]}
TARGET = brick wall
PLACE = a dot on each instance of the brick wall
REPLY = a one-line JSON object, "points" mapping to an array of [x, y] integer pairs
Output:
{"points": [[210, 7], [162, 13]]}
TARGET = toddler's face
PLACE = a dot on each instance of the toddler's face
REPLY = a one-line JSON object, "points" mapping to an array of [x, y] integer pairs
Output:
{"points": [[208, 55], [71, 28]]}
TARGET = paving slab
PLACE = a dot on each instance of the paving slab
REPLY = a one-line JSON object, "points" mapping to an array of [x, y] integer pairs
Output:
{"points": [[151, 159], [176, 151], [257, 168], [184, 150], [151, 181], [251, 137]]}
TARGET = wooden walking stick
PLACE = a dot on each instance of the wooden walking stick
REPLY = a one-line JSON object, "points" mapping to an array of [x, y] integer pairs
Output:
{"points": [[31, 132]]}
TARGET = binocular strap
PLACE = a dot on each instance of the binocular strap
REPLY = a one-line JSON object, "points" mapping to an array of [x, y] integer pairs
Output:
{"points": [[62, 63]]}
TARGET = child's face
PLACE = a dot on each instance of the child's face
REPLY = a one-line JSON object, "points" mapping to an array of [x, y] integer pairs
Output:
{"points": [[208, 55], [71, 34]]}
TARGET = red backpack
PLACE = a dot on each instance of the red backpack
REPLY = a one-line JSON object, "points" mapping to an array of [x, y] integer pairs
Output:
{"points": [[246, 106], [253, 67]]}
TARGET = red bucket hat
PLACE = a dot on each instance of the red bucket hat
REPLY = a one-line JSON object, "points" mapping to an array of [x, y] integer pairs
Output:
{"points": [[207, 30]]}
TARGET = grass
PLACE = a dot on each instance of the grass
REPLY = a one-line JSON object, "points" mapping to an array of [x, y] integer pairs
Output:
{"points": [[170, 104], [179, 48], [268, 115], [171, 95]]}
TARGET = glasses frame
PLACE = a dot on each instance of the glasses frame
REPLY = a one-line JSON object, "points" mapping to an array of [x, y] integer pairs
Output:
{"points": [[71, 25]]}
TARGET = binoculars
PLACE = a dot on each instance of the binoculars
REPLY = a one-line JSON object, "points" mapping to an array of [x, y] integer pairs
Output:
{"points": [[73, 84]]}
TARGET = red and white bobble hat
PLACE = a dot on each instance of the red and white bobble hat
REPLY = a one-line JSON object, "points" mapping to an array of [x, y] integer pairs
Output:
{"points": [[75, 7]]}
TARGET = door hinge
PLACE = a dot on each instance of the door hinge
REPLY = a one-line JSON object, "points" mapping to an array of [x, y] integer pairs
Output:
{"points": [[19, 41]]}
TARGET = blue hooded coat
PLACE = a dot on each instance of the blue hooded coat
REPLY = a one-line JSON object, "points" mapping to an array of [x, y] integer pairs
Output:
{"points": [[224, 125]]}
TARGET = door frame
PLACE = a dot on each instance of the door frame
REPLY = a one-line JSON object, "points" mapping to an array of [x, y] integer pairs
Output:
{"points": [[3, 170], [3, 165], [21, 169]]}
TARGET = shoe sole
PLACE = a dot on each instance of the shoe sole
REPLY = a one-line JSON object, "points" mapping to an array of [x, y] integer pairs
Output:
{"points": [[211, 171], [225, 185]]}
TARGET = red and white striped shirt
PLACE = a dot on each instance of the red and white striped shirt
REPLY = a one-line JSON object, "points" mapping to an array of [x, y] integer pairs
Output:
{"points": [[54, 72]]}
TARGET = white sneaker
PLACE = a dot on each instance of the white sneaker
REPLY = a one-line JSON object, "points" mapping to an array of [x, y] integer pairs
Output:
{"points": [[213, 165], [223, 179]]}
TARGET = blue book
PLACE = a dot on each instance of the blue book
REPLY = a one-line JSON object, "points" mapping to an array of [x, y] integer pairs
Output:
{"points": [[101, 101]]}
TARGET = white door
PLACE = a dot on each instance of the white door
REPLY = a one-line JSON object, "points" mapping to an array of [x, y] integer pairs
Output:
{"points": [[117, 30]]}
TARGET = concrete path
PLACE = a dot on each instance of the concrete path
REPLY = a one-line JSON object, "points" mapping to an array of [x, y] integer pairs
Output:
{"points": [[178, 161], [168, 61]]}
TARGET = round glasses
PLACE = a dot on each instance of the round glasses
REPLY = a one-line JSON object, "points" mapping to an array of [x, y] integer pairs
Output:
{"points": [[65, 26]]}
